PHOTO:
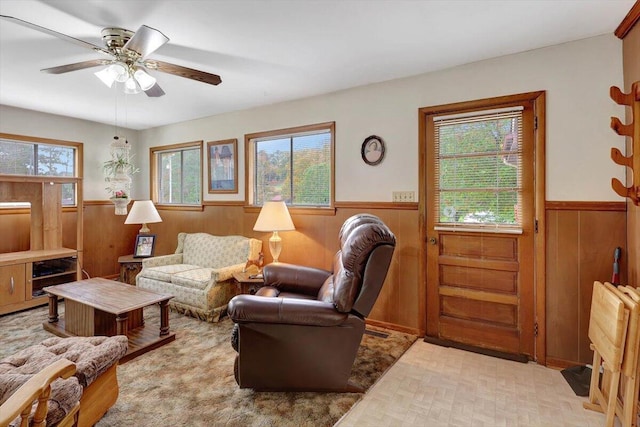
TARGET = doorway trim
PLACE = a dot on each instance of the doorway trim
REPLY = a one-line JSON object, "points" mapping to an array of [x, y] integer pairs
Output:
{"points": [[539, 101]]}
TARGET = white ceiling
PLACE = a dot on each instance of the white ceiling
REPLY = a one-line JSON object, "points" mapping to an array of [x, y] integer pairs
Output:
{"points": [[268, 51]]}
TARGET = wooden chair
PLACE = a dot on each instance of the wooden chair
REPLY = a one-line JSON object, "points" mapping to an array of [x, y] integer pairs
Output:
{"points": [[607, 331], [627, 406], [38, 388]]}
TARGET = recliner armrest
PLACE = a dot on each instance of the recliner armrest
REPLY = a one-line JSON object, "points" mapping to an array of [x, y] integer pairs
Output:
{"points": [[295, 278], [256, 309]]}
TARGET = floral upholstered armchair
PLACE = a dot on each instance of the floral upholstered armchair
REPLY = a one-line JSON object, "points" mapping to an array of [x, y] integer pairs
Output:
{"points": [[200, 273]]}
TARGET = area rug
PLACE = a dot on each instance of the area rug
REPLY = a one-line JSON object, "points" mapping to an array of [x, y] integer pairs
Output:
{"points": [[189, 382]]}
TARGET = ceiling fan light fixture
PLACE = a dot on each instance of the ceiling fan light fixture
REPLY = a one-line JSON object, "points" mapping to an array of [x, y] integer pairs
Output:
{"points": [[105, 76], [143, 78], [119, 71], [131, 86], [128, 63]]}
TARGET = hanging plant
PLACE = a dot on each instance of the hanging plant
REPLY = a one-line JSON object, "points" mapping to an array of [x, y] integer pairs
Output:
{"points": [[118, 171], [119, 164]]}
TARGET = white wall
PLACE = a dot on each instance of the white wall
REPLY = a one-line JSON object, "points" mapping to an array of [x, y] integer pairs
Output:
{"points": [[576, 76]]}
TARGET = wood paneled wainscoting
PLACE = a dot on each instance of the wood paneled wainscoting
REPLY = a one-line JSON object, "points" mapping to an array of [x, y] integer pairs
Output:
{"points": [[313, 243], [581, 238]]}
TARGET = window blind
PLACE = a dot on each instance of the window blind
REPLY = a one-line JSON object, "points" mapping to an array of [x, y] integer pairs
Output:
{"points": [[478, 170]]}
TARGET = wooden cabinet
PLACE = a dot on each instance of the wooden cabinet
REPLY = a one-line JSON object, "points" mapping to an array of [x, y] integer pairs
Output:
{"points": [[24, 274], [12, 284], [129, 268]]}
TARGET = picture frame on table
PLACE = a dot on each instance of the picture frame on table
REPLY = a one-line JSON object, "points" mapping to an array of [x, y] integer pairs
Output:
{"points": [[222, 158], [145, 245]]}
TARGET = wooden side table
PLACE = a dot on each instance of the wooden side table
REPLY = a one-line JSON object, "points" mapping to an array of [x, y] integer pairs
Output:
{"points": [[247, 285], [129, 268]]}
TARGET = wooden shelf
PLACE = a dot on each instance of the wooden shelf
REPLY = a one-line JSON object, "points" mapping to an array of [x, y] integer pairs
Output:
{"points": [[34, 256], [18, 288], [40, 179], [49, 276]]}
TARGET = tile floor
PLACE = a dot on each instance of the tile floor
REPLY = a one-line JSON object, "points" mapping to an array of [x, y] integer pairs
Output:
{"points": [[435, 386]]}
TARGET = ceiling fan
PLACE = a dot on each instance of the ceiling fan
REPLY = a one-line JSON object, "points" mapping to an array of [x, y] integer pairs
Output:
{"points": [[126, 60]]}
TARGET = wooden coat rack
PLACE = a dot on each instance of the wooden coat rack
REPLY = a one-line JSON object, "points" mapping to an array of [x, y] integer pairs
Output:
{"points": [[631, 130]]}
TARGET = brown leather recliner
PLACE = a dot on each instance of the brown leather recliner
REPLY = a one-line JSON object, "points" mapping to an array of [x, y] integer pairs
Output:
{"points": [[302, 330]]}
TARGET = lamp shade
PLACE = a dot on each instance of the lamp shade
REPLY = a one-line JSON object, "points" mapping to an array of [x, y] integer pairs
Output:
{"points": [[143, 212], [274, 216], [145, 81], [106, 77]]}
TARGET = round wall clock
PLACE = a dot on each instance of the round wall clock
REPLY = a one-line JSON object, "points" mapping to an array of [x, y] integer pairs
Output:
{"points": [[372, 150]]}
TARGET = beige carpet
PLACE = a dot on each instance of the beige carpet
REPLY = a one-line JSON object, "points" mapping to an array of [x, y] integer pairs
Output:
{"points": [[189, 382]]}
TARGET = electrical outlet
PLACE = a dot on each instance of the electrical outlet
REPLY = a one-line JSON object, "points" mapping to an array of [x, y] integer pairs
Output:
{"points": [[403, 196]]}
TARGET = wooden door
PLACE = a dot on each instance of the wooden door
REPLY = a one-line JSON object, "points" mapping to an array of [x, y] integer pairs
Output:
{"points": [[479, 243], [480, 293]]}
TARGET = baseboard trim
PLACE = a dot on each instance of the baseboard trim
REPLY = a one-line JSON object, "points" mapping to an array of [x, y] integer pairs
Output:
{"points": [[487, 352], [393, 327], [555, 363]]}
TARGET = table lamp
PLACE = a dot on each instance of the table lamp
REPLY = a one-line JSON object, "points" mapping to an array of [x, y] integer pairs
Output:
{"points": [[143, 212], [274, 216]]}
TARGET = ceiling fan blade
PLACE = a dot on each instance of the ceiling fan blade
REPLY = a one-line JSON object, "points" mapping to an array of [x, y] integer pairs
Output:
{"points": [[189, 73], [145, 41], [155, 91], [77, 66], [56, 34]]}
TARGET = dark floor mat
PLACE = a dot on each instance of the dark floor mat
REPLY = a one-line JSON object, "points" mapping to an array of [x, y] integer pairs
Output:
{"points": [[579, 378]]}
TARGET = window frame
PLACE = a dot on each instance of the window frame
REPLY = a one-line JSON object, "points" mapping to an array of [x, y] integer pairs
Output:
{"points": [[78, 166], [249, 175], [154, 178]]}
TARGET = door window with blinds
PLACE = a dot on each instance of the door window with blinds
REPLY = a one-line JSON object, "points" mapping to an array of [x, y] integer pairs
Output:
{"points": [[479, 170]]}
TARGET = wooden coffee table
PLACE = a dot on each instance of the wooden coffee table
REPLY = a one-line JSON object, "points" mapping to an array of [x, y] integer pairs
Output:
{"points": [[103, 307]]}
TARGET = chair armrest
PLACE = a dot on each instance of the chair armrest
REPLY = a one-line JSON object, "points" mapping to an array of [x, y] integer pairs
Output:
{"points": [[37, 387], [162, 260], [295, 278], [256, 309], [226, 273]]}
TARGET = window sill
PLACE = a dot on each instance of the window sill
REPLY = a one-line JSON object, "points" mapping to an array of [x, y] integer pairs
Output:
{"points": [[195, 208], [328, 211], [472, 229]]}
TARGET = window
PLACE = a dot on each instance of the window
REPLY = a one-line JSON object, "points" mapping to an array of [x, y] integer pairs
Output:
{"points": [[29, 156], [177, 174], [479, 168], [295, 165]]}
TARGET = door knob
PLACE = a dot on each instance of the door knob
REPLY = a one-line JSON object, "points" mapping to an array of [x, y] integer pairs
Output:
{"points": [[433, 240]]}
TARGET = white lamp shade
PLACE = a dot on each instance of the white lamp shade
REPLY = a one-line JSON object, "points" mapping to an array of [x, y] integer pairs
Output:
{"points": [[274, 216], [119, 72], [131, 86], [143, 212], [106, 77], [145, 81]]}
